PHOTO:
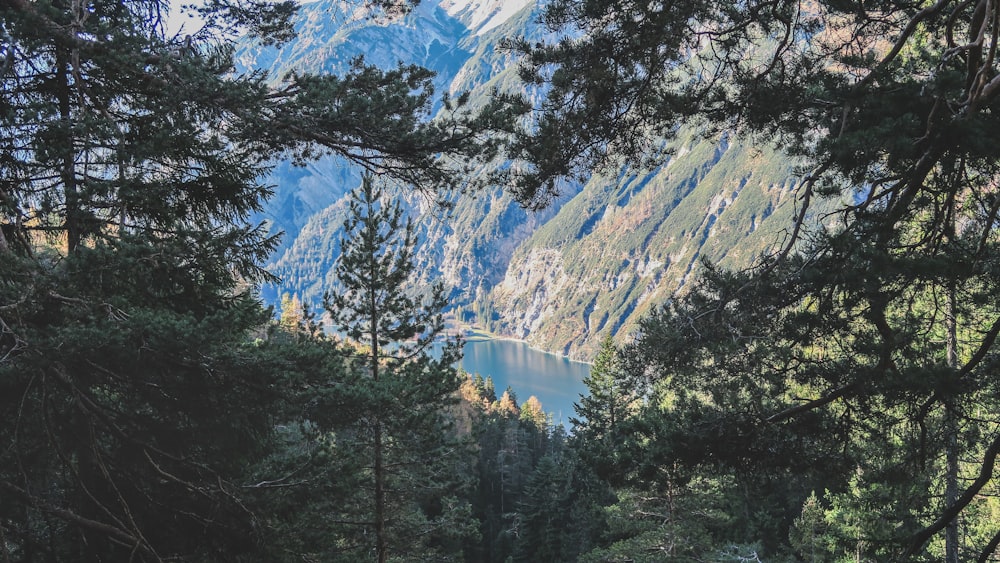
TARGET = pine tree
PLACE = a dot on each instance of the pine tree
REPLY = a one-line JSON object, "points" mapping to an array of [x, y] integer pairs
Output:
{"points": [[543, 511], [131, 393], [489, 390], [402, 392], [600, 425], [808, 536]]}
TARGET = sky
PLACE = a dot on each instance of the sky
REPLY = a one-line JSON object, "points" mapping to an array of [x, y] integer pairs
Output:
{"points": [[177, 21]]}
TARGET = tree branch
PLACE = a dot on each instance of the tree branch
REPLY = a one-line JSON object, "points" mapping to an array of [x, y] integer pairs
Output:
{"points": [[816, 403], [911, 26], [984, 349], [985, 475], [70, 516], [987, 553]]}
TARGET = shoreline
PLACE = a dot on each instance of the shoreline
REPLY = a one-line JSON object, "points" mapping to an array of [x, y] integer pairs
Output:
{"points": [[473, 333]]}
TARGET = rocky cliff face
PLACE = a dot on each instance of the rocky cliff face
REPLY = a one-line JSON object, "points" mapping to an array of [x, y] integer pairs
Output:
{"points": [[627, 243], [593, 262]]}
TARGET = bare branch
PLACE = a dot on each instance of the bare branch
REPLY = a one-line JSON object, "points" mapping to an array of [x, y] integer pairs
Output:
{"points": [[70, 516]]}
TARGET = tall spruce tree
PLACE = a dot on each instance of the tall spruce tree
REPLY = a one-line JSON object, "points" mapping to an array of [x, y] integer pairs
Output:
{"points": [[858, 355], [402, 434], [600, 424]]}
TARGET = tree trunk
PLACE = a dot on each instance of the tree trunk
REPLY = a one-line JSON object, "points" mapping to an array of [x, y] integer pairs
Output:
{"points": [[380, 540], [68, 169], [951, 436], [381, 546]]}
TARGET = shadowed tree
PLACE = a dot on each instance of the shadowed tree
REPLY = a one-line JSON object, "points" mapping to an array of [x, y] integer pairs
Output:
{"points": [[401, 393], [132, 392], [864, 344]]}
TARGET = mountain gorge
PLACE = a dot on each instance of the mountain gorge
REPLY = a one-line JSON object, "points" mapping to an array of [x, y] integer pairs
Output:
{"points": [[591, 263]]}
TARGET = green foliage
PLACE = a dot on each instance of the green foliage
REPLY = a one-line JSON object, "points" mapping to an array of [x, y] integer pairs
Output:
{"points": [[587, 108], [534, 499], [139, 385], [391, 420], [853, 358], [600, 425], [870, 410], [133, 397], [130, 417], [810, 533]]}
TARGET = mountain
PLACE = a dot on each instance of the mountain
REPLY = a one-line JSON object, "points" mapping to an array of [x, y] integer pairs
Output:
{"points": [[629, 242], [593, 262]]}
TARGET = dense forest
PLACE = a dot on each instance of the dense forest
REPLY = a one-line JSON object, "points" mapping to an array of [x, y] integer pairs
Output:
{"points": [[834, 401]]}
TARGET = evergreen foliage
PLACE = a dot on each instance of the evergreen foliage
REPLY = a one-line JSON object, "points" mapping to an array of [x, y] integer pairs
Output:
{"points": [[400, 433], [600, 425], [129, 420], [132, 393], [836, 401], [535, 500], [855, 358], [138, 386]]}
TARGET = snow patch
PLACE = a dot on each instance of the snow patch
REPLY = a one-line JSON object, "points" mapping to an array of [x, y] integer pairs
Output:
{"points": [[481, 16]]}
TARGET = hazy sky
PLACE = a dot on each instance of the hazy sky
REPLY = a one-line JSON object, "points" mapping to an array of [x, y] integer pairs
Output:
{"points": [[176, 20]]}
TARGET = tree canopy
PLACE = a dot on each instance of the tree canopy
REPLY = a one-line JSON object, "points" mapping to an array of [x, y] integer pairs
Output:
{"points": [[882, 95], [138, 382], [836, 398], [863, 345]]}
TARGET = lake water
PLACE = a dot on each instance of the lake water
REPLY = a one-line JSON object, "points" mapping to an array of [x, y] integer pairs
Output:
{"points": [[556, 381]]}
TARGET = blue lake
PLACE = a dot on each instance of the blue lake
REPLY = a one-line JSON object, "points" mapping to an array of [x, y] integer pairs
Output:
{"points": [[556, 381]]}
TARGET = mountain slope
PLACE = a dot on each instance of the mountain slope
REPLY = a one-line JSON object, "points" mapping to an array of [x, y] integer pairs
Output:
{"points": [[625, 244], [593, 262]]}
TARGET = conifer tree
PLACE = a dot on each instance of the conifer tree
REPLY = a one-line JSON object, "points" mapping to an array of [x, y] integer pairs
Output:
{"points": [[131, 393], [602, 414], [543, 511], [532, 413], [489, 390], [402, 394]]}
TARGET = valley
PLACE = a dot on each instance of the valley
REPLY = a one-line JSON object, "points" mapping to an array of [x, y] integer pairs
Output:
{"points": [[604, 253]]}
